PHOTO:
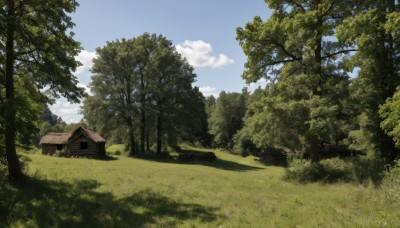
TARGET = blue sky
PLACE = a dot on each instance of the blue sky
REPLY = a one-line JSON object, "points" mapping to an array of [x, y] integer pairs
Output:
{"points": [[203, 31]]}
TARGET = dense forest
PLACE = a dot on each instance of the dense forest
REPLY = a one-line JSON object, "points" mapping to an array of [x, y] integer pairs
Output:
{"points": [[332, 67]]}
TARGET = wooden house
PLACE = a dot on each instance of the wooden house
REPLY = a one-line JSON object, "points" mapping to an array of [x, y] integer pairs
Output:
{"points": [[80, 142]]}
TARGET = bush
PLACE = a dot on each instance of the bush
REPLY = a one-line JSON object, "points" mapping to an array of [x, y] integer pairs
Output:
{"points": [[359, 170], [62, 153], [368, 169], [391, 184], [325, 171]]}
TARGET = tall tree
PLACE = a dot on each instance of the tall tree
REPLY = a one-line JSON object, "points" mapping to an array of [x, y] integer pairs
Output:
{"points": [[142, 82], [171, 80], [296, 41], [34, 42], [114, 84], [374, 29], [227, 117]]}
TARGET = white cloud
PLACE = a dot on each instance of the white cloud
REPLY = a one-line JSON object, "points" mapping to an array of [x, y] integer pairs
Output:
{"points": [[260, 83], [198, 54], [208, 91], [87, 89], [86, 58], [67, 111]]}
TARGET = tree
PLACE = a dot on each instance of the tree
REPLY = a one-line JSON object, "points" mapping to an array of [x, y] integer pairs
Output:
{"points": [[227, 117], [171, 80], [143, 82], [34, 42], [374, 30], [390, 113], [305, 106]]}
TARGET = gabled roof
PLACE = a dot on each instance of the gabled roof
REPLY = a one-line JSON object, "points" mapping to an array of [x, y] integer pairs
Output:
{"points": [[64, 138], [89, 133], [55, 138]]}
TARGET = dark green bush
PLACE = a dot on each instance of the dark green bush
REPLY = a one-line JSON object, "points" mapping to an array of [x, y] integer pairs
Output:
{"points": [[326, 171], [391, 184], [62, 153], [368, 169], [358, 169]]}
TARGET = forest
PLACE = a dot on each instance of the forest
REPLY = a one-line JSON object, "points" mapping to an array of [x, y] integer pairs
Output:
{"points": [[329, 113]]}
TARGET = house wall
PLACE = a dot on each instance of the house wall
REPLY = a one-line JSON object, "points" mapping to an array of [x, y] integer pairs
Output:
{"points": [[101, 149], [74, 147], [50, 149]]}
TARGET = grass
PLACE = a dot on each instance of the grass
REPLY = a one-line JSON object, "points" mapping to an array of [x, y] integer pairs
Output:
{"points": [[231, 192], [116, 149]]}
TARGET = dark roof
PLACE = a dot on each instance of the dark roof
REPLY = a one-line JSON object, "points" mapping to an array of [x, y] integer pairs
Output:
{"points": [[63, 138], [89, 133], [55, 138]]}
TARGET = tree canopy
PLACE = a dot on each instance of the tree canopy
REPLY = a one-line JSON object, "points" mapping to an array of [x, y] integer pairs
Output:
{"points": [[36, 44], [143, 83]]}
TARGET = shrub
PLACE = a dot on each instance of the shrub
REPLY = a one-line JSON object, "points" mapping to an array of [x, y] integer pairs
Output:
{"points": [[62, 153], [325, 171], [368, 169], [391, 184]]}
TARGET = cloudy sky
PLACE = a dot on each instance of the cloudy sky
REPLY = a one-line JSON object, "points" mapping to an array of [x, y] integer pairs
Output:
{"points": [[203, 31]]}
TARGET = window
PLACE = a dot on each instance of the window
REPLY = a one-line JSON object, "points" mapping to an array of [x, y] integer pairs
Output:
{"points": [[59, 147], [84, 146]]}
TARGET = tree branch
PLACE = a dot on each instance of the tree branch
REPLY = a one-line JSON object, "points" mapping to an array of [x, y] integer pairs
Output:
{"points": [[297, 4], [282, 47], [329, 55]]}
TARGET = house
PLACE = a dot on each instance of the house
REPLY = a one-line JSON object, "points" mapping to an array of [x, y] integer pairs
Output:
{"points": [[81, 142]]}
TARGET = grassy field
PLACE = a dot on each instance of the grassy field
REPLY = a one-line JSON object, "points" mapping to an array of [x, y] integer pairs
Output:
{"points": [[230, 192]]}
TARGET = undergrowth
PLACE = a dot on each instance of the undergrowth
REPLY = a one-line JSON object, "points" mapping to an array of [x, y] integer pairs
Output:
{"points": [[360, 170]]}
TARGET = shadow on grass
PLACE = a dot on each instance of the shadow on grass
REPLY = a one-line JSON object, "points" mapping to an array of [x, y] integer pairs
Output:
{"points": [[218, 163], [45, 203]]}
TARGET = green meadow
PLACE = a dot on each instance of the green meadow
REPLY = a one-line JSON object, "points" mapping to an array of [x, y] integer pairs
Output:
{"points": [[230, 192]]}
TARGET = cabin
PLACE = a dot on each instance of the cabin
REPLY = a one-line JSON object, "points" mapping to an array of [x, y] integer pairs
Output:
{"points": [[81, 141]]}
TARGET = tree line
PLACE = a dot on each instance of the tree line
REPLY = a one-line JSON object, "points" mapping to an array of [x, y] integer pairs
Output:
{"points": [[142, 92], [307, 50]]}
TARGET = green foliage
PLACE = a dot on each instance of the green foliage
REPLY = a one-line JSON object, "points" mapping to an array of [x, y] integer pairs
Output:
{"points": [[37, 50], [373, 29], [115, 149], [357, 170], [325, 171], [227, 118], [142, 86], [62, 153], [390, 113], [391, 184], [305, 104]]}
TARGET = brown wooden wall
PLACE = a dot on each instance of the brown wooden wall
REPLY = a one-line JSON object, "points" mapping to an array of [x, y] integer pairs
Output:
{"points": [[75, 147], [49, 149]]}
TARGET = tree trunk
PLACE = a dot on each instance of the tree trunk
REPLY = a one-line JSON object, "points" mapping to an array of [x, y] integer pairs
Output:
{"points": [[142, 128], [159, 133], [148, 140], [314, 150], [143, 113], [131, 138], [14, 167]]}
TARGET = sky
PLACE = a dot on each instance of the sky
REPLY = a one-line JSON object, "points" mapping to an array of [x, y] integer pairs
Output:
{"points": [[203, 31]]}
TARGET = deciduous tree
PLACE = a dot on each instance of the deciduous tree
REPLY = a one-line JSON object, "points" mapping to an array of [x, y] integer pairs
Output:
{"points": [[35, 41]]}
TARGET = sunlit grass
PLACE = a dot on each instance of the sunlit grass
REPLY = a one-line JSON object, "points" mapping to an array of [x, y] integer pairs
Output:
{"points": [[231, 192]]}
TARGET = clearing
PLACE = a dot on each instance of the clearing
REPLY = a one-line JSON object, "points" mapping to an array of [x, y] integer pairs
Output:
{"points": [[231, 192]]}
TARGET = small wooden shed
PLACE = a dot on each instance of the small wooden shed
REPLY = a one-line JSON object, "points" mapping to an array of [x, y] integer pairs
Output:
{"points": [[81, 141]]}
